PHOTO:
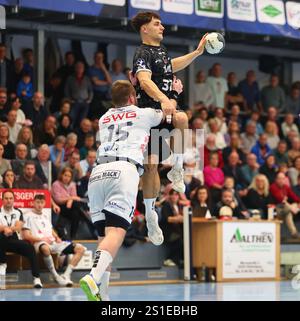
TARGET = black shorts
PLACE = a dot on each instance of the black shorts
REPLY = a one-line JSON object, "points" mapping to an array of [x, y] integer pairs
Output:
{"points": [[70, 249]]}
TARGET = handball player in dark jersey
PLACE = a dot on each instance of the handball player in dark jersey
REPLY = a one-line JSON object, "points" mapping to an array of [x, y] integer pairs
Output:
{"points": [[156, 87]]}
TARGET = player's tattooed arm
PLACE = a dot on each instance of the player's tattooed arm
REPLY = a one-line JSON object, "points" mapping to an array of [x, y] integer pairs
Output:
{"points": [[182, 62]]}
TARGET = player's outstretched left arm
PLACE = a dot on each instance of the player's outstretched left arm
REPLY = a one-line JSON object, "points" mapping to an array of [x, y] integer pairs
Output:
{"points": [[180, 63]]}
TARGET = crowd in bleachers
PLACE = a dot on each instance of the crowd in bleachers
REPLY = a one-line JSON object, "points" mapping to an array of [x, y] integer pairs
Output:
{"points": [[251, 157]]}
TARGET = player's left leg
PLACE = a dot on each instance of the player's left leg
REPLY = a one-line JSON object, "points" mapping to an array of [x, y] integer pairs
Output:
{"points": [[104, 282], [178, 146]]}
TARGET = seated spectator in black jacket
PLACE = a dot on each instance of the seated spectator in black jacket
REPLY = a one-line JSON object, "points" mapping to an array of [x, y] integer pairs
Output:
{"points": [[269, 169], [190, 181], [227, 199], [258, 196], [6, 70], [171, 224], [234, 146], [35, 109], [9, 147], [46, 132], [233, 169], [201, 204], [21, 157], [29, 179], [44, 166], [4, 108], [64, 125], [84, 129]]}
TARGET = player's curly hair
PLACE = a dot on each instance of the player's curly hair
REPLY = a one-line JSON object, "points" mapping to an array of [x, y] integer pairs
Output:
{"points": [[142, 18]]}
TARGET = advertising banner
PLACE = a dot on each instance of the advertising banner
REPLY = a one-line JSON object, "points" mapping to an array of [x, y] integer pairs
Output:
{"points": [[249, 250]]}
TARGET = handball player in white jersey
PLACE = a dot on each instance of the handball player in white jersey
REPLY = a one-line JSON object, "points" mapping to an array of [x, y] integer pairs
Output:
{"points": [[113, 184]]}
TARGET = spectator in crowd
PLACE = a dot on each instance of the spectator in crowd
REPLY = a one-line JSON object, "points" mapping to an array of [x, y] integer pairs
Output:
{"points": [[250, 91], [219, 117], [203, 94], [227, 199], [290, 137], [29, 179], [4, 108], [210, 146], [255, 116], [64, 194], [25, 137], [44, 166], [293, 172], [89, 162], [273, 95], [70, 145], [269, 168], [39, 231], [64, 108], [89, 144], [271, 131], [261, 149], [296, 188], [250, 169], [4, 163], [283, 168], [233, 128], [54, 92], [28, 61], [101, 81], [286, 203], [235, 115], [214, 130], [249, 137], [9, 179], [21, 158], [292, 103], [25, 87], [18, 71], [235, 143], [15, 104], [11, 223], [13, 126], [46, 132], [294, 151], [74, 163], [84, 129], [233, 96], [6, 70], [258, 196], [57, 151], [218, 85], [9, 147], [171, 224], [79, 89], [201, 203], [289, 125], [272, 115], [280, 153], [64, 125], [35, 109], [117, 71], [233, 169], [229, 184], [67, 69], [190, 180]]}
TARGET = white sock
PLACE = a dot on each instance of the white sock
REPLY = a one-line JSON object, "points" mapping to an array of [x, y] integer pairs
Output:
{"points": [[69, 270], [104, 286], [50, 265], [101, 262], [178, 160], [149, 205]]}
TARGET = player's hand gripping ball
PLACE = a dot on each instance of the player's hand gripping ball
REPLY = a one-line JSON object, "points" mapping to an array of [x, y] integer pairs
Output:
{"points": [[215, 43]]}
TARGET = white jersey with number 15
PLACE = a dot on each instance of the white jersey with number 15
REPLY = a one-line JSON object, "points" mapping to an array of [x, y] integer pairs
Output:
{"points": [[124, 132]]}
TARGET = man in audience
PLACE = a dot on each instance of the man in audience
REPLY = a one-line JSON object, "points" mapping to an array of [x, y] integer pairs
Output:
{"points": [[234, 95], [261, 149], [117, 71], [84, 129], [273, 95], [250, 169], [6, 69], [292, 103], [35, 109], [46, 132], [13, 126], [74, 163], [287, 203], [21, 157], [233, 169], [203, 94], [249, 137], [4, 108], [280, 153], [29, 179], [89, 162], [67, 69]]}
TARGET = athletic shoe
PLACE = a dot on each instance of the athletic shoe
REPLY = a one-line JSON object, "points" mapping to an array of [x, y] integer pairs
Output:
{"points": [[155, 234], [68, 280], [175, 175], [90, 288], [60, 280], [3, 269], [169, 263], [37, 284]]}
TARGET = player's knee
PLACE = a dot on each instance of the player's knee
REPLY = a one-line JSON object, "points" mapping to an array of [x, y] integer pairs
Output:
{"points": [[181, 119], [151, 164], [45, 250], [150, 169], [79, 249]]}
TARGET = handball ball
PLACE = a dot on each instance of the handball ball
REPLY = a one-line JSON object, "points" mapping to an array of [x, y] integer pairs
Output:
{"points": [[215, 43]]}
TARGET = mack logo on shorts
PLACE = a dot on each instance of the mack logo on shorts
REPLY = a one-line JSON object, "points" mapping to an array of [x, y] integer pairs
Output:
{"points": [[114, 204], [105, 174]]}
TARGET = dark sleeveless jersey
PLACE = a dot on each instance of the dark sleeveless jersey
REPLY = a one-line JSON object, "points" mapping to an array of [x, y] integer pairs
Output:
{"points": [[156, 60]]}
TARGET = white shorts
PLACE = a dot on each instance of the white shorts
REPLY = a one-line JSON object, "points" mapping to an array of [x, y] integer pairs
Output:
{"points": [[55, 248], [113, 188]]}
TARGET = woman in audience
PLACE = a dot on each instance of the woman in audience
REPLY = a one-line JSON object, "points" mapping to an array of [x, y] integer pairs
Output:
{"points": [[89, 144], [9, 147], [201, 204], [57, 151], [25, 137], [258, 196], [214, 130], [9, 179], [269, 168], [288, 125], [4, 163], [271, 130], [64, 125], [70, 146]]}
